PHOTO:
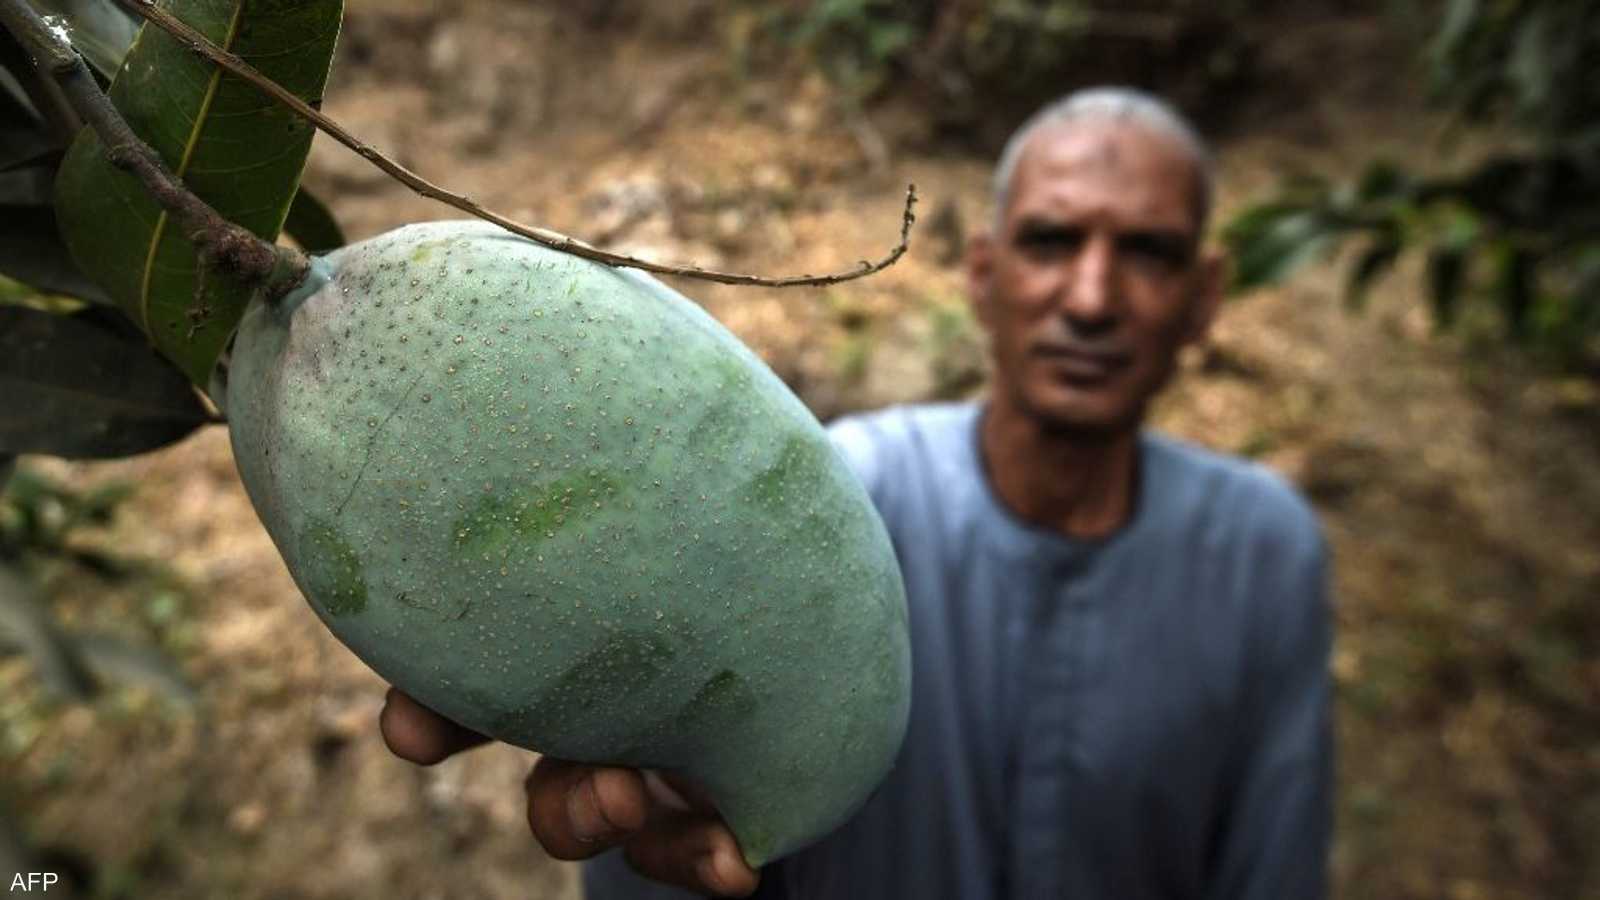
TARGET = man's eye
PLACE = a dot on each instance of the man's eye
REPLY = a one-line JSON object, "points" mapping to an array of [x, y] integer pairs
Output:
{"points": [[1166, 251], [1049, 240]]}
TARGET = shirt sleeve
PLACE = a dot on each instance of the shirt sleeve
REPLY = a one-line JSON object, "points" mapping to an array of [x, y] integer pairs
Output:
{"points": [[1276, 829]]}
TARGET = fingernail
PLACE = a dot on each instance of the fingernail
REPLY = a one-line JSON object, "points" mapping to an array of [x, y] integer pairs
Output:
{"points": [[583, 811], [664, 793]]}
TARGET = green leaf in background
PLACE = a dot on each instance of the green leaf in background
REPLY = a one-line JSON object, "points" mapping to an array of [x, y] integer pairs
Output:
{"points": [[1382, 181], [38, 515], [1531, 67], [1270, 242], [1447, 270], [26, 186], [79, 390], [1586, 285], [235, 147], [1522, 212], [113, 661], [1377, 258], [26, 624], [312, 224], [1460, 16], [24, 85], [24, 136], [1516, 285], [31, 249]]}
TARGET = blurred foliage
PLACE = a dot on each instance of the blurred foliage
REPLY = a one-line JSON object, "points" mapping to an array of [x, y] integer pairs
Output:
{"points": [[42, 523], [855, 41], [977, 60], [39, 517], [1518, 232]]}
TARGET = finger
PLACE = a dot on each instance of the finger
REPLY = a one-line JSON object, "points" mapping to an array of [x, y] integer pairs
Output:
{"points": [[678, 792], [420, 735], [694, 852], [578, 810]]}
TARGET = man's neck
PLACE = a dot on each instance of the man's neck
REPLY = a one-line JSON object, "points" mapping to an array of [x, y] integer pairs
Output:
{"points": [[1079, 487]]}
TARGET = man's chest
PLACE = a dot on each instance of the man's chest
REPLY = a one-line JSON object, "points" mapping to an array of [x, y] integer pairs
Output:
{"points": [[1079, 676]]}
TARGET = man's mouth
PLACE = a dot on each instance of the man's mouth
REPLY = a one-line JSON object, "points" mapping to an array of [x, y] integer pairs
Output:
{"points": [[1081, 364]]}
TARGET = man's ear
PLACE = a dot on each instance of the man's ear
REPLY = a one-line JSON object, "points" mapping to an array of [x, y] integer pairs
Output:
{"points": [[1211, 283], [980, 274]]}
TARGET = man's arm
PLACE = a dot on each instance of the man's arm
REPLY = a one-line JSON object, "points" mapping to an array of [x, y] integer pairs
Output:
{"points": [[1277, 826]]}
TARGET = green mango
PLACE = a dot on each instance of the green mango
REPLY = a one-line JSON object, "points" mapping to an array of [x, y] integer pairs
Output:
{"points": [[560, 504]]}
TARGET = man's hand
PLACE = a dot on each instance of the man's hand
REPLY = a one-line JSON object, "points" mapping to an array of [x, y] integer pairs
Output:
{"points": [[668, 831]]}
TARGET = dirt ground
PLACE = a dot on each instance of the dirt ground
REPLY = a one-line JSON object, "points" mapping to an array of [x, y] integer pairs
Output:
{"points": [[1458, 489]]}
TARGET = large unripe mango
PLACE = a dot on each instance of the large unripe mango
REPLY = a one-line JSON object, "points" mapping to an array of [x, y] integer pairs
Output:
{"points": [[562, 505]]}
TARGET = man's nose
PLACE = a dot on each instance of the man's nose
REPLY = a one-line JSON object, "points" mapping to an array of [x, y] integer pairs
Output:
{"points": [[1090, 294]]}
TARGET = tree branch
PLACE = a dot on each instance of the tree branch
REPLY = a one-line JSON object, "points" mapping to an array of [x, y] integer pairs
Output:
{"points": [[232, 249], [197, 42]]}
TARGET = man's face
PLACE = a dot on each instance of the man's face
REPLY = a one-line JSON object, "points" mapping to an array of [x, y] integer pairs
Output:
{"points": [[1093, 279]]}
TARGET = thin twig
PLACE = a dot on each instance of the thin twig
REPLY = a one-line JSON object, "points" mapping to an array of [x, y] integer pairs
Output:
{"points": [[199, 43], [232, 248]]}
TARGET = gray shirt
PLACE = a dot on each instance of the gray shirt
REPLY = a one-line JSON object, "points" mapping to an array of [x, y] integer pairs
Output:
{"points": [[1144, 716]]}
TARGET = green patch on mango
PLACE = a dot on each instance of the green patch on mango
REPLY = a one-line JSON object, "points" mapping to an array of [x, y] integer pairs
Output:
{"points": [[499, 523], [336, 579], [725, 695], [798, 464]]}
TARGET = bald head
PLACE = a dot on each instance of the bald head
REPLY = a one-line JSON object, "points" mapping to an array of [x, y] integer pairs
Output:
{"points": [[1119, 105]]}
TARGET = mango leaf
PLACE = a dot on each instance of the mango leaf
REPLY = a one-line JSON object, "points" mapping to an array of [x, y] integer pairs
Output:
{"points": [[1586, 284], [1270, 242], [25, 623], [1517, 287], [26, 186], [32, 252], [113, 661], [1382, 181], [1447, 270], [312, 224], [235, 147], [43, 513], [1531, 67], [23, 85], [83, 391], [1376, 259], [76, 666], [1460, 16], [24, 137], [101, 31]]}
